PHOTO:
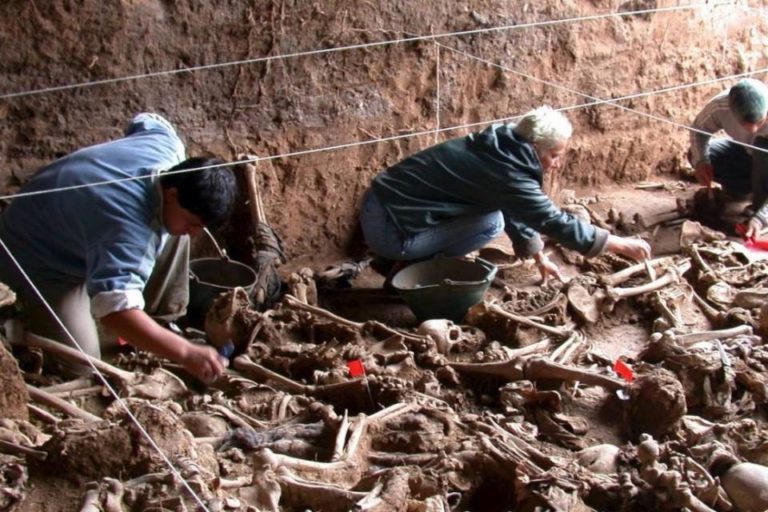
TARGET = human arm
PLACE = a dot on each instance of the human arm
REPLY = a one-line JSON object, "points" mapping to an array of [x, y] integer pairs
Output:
{"points": [[634, 248], [143, 332], [707, 122], [546, 267]]}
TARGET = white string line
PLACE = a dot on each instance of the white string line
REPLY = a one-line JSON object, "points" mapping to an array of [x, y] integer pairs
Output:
{"points": [[596, 102], [611, 102], [102, 377], [437, 92], [304, 152], [430, 37]]}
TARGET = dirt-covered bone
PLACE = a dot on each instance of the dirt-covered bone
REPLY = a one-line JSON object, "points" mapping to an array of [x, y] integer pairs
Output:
{"points": [[538, 368], [160, 384]]}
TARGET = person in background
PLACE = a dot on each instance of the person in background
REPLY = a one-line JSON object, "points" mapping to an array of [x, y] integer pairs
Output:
{"points": [[455, 197], [113, 246], [740, 112]]}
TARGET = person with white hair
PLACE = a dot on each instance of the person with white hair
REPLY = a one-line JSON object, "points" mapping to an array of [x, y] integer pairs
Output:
{"points": [[455, 197], [740, 112]]}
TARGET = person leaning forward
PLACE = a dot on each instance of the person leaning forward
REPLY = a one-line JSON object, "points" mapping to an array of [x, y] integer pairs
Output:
{"points": [[455, 197], [740, 112], [116, 252]]}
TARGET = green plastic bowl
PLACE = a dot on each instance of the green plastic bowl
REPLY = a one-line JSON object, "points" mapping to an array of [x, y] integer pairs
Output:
{"points": [[444, 287]]}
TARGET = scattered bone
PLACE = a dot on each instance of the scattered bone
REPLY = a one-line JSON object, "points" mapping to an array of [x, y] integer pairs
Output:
{"points": [[60, 404], [159, 385]]}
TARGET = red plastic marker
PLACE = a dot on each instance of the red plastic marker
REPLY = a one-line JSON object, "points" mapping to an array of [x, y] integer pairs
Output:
{"points": [[751, 242], [624, 371], [356, 368]]}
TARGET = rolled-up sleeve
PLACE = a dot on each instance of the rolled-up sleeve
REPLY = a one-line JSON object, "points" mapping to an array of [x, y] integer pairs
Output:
{"points": [[118, 273]]}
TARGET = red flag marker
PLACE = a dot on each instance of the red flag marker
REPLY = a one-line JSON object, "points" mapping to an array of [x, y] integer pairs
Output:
{"points": [[356, 368], [624, 371]]}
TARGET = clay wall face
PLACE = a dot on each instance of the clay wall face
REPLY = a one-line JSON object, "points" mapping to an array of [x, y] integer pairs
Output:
{"points": [[284, 107]]}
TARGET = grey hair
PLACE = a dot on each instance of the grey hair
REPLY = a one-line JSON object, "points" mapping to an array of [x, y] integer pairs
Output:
{"points": [[544, 127]]}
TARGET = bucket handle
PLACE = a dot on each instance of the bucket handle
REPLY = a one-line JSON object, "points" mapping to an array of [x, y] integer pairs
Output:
{"points": [[490, 267]]}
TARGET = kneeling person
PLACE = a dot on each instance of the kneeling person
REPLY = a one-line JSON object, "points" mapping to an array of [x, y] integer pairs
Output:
{"points": [[455, 197], [113, 244]]}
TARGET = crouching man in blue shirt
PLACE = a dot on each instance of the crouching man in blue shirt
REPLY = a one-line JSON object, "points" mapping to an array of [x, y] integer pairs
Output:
{"points": [[103, 234]]}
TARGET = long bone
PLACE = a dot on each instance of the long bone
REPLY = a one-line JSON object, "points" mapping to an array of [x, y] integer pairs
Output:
{"points": [[264, 375], [60, 404], [538, 368], [673, 276], [295, 303], [627, 273], [348, 459], [555, 331], [686, 340]]}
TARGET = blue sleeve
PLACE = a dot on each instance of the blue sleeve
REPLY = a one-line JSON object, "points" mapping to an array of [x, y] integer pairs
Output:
{"points": [[116, 266]]}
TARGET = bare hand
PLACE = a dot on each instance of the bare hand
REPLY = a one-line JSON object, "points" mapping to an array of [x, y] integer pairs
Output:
{"points": [[547, 268], [204, 363], [634, 248], [754, 227], [704, 173]]}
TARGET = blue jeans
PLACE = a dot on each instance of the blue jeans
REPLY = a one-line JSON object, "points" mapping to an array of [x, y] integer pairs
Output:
{"points": [[739, 172], [453, 238]]}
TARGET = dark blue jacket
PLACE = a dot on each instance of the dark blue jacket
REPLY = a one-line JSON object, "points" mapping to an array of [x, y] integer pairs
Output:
{"points": [[491, 170]]}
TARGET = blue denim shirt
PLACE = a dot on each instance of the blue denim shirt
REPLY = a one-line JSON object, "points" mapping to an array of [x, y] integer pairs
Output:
{"points": [[106, 235]]}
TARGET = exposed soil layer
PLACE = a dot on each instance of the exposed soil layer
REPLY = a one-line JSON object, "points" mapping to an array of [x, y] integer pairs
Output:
{"points": [[284, 109], [293, 105]]}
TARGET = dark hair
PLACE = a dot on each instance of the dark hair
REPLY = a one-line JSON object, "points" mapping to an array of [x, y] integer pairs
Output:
{"points": [[209, 193]]}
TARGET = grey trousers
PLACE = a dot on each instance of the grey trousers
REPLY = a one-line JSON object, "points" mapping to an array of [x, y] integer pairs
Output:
{"points": [[166, 296]]}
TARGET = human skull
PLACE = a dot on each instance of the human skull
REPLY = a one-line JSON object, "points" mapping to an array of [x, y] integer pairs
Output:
{"points": [[747, 486], [444, 332]]}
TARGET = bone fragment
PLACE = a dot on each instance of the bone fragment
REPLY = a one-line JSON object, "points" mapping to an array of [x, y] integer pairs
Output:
{"points": [[341, 437], [59, 404]]}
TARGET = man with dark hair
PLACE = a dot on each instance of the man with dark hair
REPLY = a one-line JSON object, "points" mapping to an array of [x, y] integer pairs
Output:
{"points": [[740, 112], [102, 234]]}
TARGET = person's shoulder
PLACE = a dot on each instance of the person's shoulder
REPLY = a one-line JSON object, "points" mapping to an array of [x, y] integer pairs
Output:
{"points": [[148, 121]]}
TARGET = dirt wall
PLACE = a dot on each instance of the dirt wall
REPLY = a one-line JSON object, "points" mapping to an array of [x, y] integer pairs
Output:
{"points": [[298, 104]]}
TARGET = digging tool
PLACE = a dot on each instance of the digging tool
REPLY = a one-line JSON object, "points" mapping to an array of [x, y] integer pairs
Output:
{"points": [[267, 250]]}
